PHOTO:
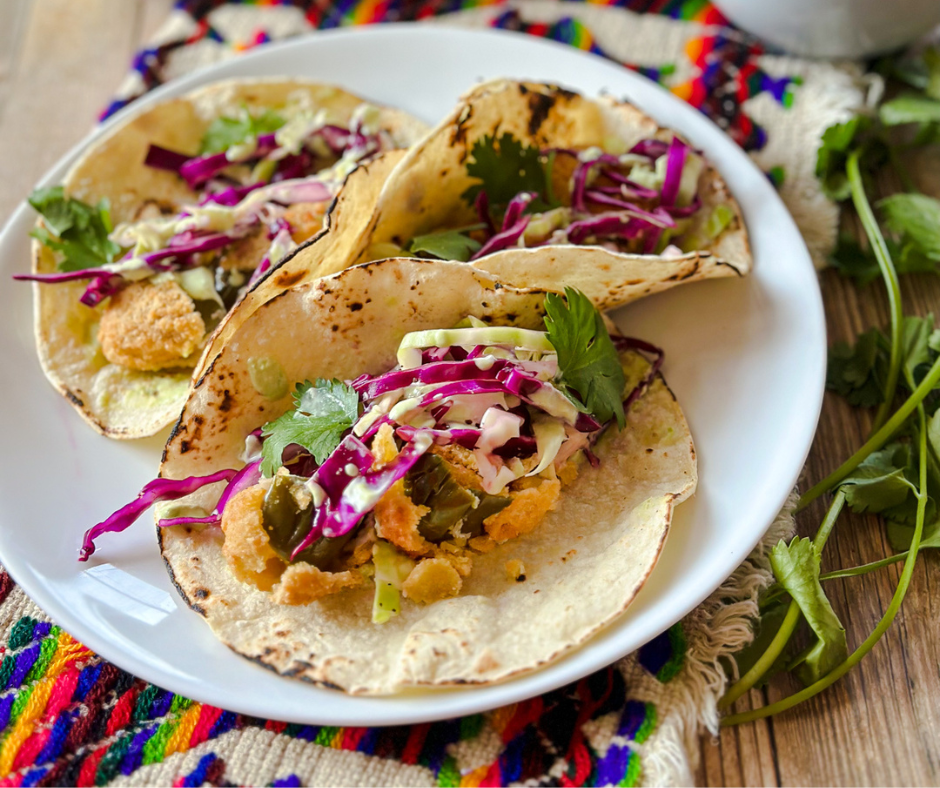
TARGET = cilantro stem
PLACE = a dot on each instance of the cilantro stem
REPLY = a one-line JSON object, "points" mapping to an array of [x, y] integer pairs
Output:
{"points": [[790, 620], [890, 275], [776, 590], [886, 620], [876, 441]]}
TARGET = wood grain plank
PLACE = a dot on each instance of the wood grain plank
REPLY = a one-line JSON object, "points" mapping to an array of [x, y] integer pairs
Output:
{"points": [[881, 723], [71, 59]]}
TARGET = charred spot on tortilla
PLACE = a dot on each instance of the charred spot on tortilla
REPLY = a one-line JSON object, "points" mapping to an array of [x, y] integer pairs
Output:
{"points": [[459, 133], [540, 105], [73, 398], [201, 593], [286, 279]]}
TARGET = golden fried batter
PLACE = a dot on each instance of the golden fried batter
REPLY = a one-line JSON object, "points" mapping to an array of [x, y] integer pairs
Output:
{"points": [[303, 583], [526, 511], [397, 518], [396, 515], [246, 253], [246, 548], [462, 465], [305, 219], [431, 580], [151, 326]]}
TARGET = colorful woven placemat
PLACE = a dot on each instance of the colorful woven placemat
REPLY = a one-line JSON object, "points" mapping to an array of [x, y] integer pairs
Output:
{"points": [[67, 717]]}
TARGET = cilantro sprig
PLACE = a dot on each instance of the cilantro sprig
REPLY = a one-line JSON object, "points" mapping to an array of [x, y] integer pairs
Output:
{"points": [[446, 244], [75, 229], [588, 363], [323, 411], [224, 131], [504, 167]]}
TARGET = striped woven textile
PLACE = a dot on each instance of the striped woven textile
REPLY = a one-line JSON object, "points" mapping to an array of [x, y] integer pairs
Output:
{"points": [[70, 718]]}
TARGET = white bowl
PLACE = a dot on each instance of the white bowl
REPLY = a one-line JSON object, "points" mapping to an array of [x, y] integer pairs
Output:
{"points": [[834, 28]]}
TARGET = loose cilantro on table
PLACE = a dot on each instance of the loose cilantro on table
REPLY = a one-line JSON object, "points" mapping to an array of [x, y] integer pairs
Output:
{"points": [[588, 362], [224, 132], [78, 230], [861, 265], [854, 371], [896, 473], [322, 412], [796, 566]]}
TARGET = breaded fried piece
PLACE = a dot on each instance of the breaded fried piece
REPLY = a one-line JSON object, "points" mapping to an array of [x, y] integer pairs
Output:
{"points": [[246, 253], [396, 515], [305, 219], [397, 518], [526, 511], [461, 463], [246, 548], [431, 580], [303, 583], [151, 326]]}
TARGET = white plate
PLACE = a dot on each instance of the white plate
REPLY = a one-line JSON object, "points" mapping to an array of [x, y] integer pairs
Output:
{"points": [[746, 359]]}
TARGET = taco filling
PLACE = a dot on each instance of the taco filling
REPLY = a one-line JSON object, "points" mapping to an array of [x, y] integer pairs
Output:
{"points": [[644, 200], [263, 183], [402, 479]]}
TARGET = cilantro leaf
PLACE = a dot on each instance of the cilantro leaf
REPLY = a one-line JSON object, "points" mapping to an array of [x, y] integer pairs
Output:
{"points": [[587, 359], [765, 629], [832, 154], [916, 335], [445, 245], [910, 108], [504, 167], [917, 218], [837, 142], [881, 481], [75, 229], [900, 535], [860, 265], [854, 262], [224, 132], [796, 567], [323, 411], [921, 72], [856, 373]]}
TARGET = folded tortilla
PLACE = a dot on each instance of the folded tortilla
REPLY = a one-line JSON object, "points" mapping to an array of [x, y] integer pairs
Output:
{"points": [[117, 401], [583, 565], [423, 194]]}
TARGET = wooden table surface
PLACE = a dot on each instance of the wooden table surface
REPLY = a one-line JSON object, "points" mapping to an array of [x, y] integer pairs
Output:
{"points": [[59, 65]]}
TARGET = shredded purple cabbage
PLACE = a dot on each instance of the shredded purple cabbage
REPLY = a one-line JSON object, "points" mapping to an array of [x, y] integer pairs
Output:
{"points": [[437, 372], [153, 492], [614, 225], [515, 208], [102, 287], [658, 217], [675, 161], [503, 240], [164, 159], [650, 147], [68, 276]]}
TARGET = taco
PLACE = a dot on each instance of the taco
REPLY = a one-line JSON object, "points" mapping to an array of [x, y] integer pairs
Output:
{"points": [[466, 481], [165, 223], [522, 178]]}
